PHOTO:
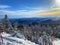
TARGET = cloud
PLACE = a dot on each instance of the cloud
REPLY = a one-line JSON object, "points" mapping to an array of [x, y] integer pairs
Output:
{"points": [[31, 12], [52, 12], [4, 6], [20, 13]]}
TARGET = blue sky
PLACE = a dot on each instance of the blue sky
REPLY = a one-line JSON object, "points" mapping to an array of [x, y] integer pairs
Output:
{"points": [[26, 8]]}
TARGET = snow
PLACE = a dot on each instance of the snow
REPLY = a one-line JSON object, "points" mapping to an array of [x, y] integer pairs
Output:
{"points": [[19, 39], [56, 42], [8, 39], [18, 35], [5, 34]]}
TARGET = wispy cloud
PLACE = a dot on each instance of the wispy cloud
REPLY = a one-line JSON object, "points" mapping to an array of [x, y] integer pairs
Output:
{"points": [[52, 12], [4, 6], [20, 13]]}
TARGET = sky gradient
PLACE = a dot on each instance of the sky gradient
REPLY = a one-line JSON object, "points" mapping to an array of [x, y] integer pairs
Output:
{"points": [[29, 8]]}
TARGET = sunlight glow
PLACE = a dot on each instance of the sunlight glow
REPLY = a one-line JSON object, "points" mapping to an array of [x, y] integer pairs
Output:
{"points": [[57, 2]]}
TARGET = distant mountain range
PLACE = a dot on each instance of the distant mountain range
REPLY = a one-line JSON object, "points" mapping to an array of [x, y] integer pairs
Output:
{"points": [[34, 20]]}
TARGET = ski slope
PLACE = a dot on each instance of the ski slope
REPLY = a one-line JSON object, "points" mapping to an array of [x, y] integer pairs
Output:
{"points": [[8, 39]]}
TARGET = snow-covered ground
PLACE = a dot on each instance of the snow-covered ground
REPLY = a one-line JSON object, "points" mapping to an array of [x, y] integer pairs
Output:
{"points": [[16, 39], [56, 42], [19, 39]]}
